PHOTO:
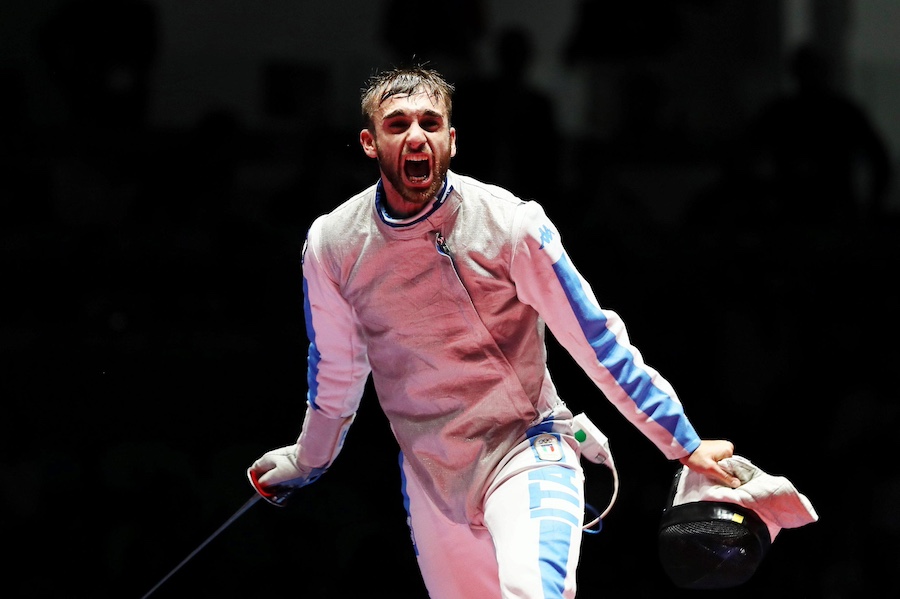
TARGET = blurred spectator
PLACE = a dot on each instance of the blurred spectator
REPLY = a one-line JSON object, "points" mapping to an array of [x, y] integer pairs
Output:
{"points": [[817, 147], [507, 128], [456, 28]]}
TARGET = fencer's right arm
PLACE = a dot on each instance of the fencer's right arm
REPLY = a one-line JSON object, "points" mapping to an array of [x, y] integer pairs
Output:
{"points": [[338, 368]]}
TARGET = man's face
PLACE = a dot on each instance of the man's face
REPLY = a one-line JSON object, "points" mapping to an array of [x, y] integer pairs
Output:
{"points": [[413, 142]]}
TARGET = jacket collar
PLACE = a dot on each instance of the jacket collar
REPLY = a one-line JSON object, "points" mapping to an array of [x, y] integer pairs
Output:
{"points": [[444, 204]]}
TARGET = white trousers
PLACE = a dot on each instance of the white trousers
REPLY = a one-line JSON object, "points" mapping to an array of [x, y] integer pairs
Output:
{"points": [[529, 543]]}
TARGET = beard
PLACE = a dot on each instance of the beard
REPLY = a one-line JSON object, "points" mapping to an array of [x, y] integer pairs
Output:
{"points": [[415, 195]]}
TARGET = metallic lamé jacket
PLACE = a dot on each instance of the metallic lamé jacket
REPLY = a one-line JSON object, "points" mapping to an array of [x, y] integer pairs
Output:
{"points": [[447, 312]]}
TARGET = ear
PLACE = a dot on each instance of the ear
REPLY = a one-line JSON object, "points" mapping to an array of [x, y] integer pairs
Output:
{"points": [[367, 141], [452, 142]]}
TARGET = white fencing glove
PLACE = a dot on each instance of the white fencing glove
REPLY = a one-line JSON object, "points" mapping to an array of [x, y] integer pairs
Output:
{"points": [[280, 472], [277, 474]]}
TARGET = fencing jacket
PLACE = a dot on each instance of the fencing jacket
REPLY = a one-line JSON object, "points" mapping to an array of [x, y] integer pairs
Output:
{"points": [[447, 312]]}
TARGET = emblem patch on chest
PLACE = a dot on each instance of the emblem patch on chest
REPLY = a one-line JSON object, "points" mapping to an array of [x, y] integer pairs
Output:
{"points": [[546, 448]]}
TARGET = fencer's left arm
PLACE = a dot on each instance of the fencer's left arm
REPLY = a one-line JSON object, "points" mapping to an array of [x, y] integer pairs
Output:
{"points": [[595, 337], [705, 460]]}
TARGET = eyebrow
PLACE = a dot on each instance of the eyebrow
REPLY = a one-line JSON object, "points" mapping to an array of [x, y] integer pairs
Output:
{"points": [[400, 112]]}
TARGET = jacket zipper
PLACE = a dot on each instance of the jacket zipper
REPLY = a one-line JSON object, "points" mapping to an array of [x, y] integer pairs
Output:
{"points": [[442, 246], [444, 250]]}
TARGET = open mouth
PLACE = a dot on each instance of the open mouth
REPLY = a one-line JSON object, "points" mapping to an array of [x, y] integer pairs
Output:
{"points": [[417, 170]]}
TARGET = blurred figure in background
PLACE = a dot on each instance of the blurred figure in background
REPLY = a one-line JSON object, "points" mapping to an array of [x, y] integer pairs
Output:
{"points": [[461, 26], [504, 117], [826, 162]]}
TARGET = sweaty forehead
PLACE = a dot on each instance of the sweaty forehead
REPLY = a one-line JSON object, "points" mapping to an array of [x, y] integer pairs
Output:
{"points": [[415, 103]]}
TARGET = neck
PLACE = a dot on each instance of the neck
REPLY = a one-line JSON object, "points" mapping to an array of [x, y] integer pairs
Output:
{"points": [[395, 207], [401, 206]]}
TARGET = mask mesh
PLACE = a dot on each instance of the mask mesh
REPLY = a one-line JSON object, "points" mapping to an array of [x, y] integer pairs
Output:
{"points": [[710, 544], [705, 551]]}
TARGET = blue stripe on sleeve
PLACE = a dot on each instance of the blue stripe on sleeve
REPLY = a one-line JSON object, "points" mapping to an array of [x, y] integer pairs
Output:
{"points": [[405, 494], [618, 360], [313, 356]]}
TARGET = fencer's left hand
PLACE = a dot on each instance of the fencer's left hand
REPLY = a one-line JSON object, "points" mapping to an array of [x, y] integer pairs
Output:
{"points": [[705, 460]]}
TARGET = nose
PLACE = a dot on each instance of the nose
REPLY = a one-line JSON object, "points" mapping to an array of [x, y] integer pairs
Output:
{"points": [[415, 137]]}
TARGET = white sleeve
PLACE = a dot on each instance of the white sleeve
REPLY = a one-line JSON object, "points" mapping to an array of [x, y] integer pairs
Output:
{"points": [[595, 337], [337, 364]]}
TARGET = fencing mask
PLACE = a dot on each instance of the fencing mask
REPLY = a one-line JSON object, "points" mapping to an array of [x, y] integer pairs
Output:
{"points": [[715, 537]]}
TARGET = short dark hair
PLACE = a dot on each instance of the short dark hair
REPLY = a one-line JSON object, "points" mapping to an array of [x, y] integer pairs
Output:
{"points": [[404, 81]]}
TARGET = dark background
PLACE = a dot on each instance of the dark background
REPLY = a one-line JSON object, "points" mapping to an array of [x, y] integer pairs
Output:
{"points": [[161, 162]]}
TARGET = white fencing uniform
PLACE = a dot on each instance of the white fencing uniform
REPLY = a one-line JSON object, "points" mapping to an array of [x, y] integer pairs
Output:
{"points": [[447, 312], [530, 540]]}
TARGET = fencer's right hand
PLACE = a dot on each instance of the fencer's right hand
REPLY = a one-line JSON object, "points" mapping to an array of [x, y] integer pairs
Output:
{"points": [[277, 474]]}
